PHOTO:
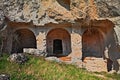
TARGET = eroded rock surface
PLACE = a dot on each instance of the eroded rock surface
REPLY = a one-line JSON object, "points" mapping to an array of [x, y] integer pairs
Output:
{"points": [[45, 11], [18, 58], [108, 8]]}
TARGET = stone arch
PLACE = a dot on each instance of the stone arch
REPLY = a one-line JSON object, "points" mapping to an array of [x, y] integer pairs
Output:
{"points": [[58, 37], [93, 43], [23, 38], [19, 28]]}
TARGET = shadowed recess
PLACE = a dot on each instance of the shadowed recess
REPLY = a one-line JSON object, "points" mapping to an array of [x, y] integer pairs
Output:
{"points": [[23, 38], [58, 42], [92, 43]]}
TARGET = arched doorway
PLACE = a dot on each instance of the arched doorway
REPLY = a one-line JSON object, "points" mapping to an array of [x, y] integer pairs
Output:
{"points": [[92, 43], [58, 42], [57, 46], [23, 38]]}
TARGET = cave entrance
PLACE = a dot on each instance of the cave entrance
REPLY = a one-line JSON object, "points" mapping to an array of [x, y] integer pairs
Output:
{"points": [[23, 38], [57, 46], [58, 42], [92, 43]]}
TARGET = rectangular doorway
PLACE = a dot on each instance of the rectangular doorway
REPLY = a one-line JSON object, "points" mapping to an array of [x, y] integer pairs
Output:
{"points": [[57, 46]]}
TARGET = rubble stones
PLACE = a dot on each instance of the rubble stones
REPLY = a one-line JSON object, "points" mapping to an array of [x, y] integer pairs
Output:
{"points": [[4, 77], [18, 58]]}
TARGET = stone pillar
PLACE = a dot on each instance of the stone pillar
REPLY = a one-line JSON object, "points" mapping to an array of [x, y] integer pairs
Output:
{"points": [[76, 45], [41, 41]]}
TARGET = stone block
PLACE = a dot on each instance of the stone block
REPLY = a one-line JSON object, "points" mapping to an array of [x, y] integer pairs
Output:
{"points": [[36, 52]]}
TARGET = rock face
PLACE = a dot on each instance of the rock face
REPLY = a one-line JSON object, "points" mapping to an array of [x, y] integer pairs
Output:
{"points": [[39, 11], [95, 64], [108, 8], [46, 11]]}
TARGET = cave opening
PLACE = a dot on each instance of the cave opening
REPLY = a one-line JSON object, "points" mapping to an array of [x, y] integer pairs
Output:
{"points": [[23, 38], [58, 42], [92, 43]]}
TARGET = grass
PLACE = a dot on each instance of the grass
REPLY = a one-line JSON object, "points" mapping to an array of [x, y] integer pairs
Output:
{"points": [[39, 69], [113, 76]]}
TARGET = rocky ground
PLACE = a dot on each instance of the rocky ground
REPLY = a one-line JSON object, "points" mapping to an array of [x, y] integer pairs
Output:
{"points": [[90, 63], [98, 64]]}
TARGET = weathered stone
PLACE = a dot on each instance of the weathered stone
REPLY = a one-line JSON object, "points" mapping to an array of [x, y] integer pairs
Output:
{"points": [[18, 58], [4, 77], [52, 59], [108, 8], [59, 10], [36, 52], [95, 64]]}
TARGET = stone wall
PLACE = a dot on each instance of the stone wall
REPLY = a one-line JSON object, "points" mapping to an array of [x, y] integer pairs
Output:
{"points": [[71, 37]]}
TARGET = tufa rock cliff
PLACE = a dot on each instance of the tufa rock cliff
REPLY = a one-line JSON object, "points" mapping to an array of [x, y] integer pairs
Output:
{"points": [[45, 11]]}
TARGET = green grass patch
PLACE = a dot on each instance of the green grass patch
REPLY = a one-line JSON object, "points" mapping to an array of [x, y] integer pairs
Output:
{"points": [[38, 69]]}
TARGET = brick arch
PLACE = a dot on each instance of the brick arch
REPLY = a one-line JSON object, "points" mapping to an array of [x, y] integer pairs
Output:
{"points": [[93, 43], [23, 38], [60, 34]]}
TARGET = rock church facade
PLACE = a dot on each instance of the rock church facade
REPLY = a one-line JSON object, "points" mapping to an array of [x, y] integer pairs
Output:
{"points": [[65, 28]]}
